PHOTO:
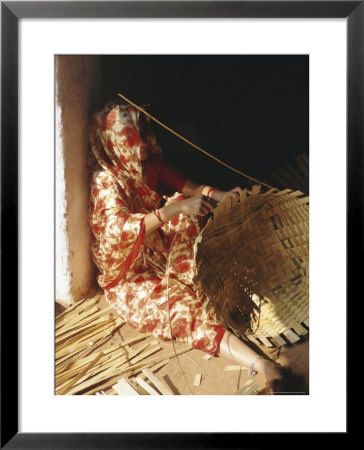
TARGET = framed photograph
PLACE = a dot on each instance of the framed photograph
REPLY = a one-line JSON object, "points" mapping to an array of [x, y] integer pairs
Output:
{"points": [[187, 58]]}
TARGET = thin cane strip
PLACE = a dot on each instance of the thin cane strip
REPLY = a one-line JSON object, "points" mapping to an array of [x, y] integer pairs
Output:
{"points": [[124, 360], [76, 331], [147, 387], [134, 339], [193, 145], [78, 340], [160, 358], [132, 362], [107, 364], [75, 317], [106, 384], [75, 310], [75, 336], [122, 344], [71, 383], [106, 361], [79, 314], [80, 352], [135, 370], [90, 330], [110, 372], [96, 380], [74, 321], [76, 364], [114, 378], [84, 350], [109, 392], [80, 305], [230, 368], [158, 383], [80, 345], [68, 352], [99, 369], [156, 367], [85, 318], [191, 359], [100, 329], [153, 368], [125, 387], [95, 340], [248, 389], [159, 365], [129, 360], [169, 311], [70, 355], [154, 364]]}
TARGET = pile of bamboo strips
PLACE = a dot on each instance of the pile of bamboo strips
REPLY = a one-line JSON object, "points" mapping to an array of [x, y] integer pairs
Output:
{"points": [[88, 361], [139, 385]]}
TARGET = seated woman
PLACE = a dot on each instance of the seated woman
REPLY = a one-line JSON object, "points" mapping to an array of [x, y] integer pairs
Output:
{"points": [[142, 242]]}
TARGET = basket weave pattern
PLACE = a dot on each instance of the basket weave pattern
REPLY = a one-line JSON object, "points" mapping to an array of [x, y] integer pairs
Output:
{"points": [[252, 263]]}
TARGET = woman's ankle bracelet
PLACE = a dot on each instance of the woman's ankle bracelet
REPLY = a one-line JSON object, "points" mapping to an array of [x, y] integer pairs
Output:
{"points": [[251, 371]]}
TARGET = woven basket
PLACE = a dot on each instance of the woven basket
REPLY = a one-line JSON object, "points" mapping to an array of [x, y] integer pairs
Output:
{"points": [[252, 264]]}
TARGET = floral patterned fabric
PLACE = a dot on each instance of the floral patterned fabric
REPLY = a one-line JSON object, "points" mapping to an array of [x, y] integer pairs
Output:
{"points": [[138, 270]]}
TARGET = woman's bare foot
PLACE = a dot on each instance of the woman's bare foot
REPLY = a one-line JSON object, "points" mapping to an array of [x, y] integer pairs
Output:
{"points": [[233, 349], [275, 375]]}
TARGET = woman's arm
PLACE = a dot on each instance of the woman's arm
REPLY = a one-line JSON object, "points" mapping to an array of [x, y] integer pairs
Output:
{"points": [[191, 189], [197, 205], [176, 181], [202, 199]]}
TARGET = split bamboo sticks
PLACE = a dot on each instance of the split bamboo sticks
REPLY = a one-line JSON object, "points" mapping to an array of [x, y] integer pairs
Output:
{"points": [[87, 361]]}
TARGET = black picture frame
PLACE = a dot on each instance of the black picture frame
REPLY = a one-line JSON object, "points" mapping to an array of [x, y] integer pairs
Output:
{"points": [[11, 12]]}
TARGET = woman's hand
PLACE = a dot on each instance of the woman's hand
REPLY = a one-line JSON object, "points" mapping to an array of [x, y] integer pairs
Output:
{"points": [[221, 196], [199, 205]]}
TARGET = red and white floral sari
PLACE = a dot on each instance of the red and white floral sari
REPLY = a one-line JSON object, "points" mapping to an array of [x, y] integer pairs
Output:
{"points": [[137, 269]]}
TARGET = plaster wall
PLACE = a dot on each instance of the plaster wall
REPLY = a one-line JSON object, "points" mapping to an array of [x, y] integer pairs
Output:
{"points": [[77, 90]]}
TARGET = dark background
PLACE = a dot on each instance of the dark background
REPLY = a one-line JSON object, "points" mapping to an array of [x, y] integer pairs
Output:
{"points": [[249, 111]]}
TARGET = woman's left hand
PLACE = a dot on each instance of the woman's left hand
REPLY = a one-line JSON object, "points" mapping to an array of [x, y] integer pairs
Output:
{"points": [[221, 196]]}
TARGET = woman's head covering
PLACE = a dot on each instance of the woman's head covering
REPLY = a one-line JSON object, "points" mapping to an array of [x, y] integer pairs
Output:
{"points": [[118, 196], [116, 131]]}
